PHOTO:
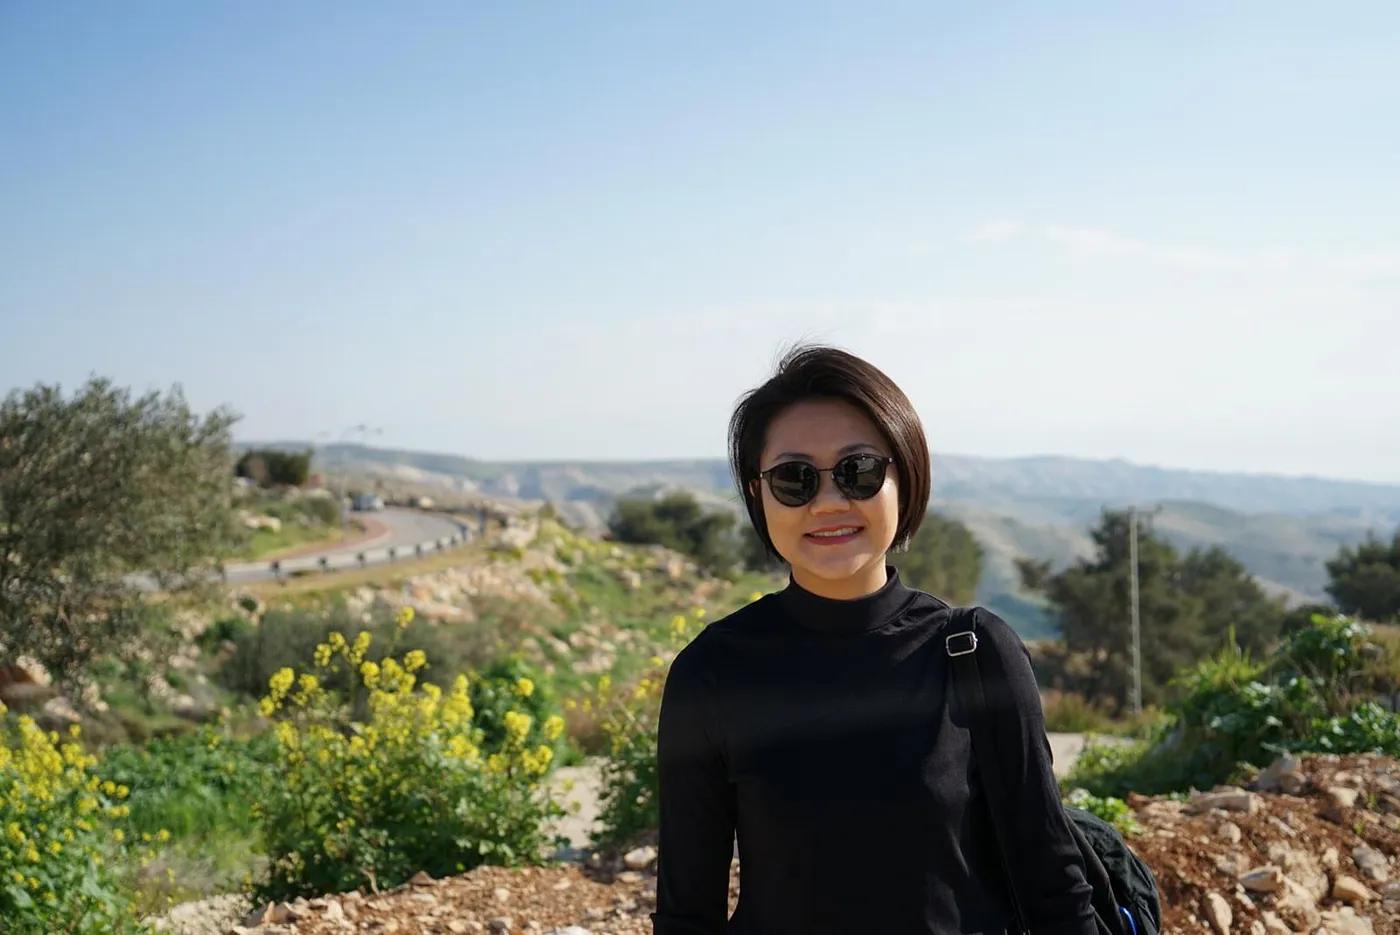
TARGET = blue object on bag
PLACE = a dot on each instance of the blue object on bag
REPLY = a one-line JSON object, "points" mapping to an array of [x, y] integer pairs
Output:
{"points": [[1129, 916]]}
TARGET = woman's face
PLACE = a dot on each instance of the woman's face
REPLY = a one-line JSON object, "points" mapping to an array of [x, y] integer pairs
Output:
{"points": [[821, 432]]}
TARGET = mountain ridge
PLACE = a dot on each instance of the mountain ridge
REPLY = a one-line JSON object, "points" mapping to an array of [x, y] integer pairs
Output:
{"points": [[1283, 528]]}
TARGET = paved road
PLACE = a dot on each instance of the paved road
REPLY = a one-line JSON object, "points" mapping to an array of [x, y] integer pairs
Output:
{"points": [[407, 531]]}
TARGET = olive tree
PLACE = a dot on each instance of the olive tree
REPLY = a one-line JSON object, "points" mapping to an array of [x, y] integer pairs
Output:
{"points": [[102, 494]]}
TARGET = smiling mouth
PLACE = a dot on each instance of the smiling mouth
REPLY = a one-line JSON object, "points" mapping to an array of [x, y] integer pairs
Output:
{"points": [[835, 534]]}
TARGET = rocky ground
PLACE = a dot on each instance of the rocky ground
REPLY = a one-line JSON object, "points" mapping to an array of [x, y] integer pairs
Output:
{"points": [[1309, 846]]}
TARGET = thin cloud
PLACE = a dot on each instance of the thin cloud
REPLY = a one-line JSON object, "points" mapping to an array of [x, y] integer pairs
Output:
{"points": [[1092, 243], [994, 231], [1087, 243]]}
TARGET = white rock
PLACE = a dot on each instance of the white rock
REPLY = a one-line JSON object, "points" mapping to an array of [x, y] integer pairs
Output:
{"points": [[1351, 890], [1265, 879], [1230, 799], [1345, 921], [639, 859], [1374, 865], [1343, 796], [1229, 831], [1218, 913]]}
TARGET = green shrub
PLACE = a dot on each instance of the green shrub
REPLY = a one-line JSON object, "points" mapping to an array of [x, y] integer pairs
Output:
{"points": [[196, 786], [63, 838], [286, 637], [1234, 714], [352, 801], [1068, 712], [1110, 808], [512, 684], [627, 719]]}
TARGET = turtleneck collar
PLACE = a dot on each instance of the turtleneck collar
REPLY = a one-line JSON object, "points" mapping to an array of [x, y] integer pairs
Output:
{"points": [[857, 615]]}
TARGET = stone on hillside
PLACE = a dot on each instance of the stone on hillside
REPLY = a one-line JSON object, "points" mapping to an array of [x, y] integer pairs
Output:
{"points": [[1218, 913], [1265, 879], [1345, 921], [1343, 797], [1297, 907], [1300, 867], [1351, 890], [1229, 799], [639, 859], [1374, 865], [1229, 831], [1282, 775]]}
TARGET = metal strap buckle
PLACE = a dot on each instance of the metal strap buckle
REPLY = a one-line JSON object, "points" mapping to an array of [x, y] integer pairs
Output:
{"points": [[968, 644]]}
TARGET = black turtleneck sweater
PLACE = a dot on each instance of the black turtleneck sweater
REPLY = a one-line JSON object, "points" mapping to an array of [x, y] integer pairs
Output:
{"points": [[825, 734]]}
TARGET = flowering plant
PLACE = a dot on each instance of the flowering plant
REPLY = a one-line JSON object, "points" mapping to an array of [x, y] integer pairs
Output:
{"points": [[628, 719], [61, 827], [408, 787]]}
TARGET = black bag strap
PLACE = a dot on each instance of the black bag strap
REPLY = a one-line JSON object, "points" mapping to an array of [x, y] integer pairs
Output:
{"points": [[961, 647]]}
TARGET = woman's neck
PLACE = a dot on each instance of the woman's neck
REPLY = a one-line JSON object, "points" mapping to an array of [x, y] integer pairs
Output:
{"points": [[866, 581]]}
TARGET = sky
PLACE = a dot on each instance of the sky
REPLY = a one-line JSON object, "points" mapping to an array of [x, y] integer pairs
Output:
{"points": [[1162, 232]]}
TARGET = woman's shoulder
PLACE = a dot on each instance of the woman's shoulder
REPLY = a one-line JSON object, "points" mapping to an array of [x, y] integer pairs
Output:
{"points": [[948, 618], [724, 636]]}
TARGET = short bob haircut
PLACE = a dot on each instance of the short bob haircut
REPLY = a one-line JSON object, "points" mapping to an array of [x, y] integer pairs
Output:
{"points": [[818, 372]]}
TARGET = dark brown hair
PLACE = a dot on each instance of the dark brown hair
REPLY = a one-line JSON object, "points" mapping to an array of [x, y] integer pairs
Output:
{"points": [[810, 371]]}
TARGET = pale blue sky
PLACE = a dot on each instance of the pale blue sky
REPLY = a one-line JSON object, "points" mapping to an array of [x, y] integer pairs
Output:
{"points": [[1165, 232]]}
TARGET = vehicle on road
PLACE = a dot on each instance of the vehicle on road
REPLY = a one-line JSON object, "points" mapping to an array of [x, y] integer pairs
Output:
{"points": [[366, 502]]}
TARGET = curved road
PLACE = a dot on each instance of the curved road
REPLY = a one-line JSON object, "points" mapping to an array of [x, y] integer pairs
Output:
{"points": [[408, 530]]}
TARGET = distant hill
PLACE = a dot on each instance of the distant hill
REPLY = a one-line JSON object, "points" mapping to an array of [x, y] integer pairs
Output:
{"points": [[1282, 528]]}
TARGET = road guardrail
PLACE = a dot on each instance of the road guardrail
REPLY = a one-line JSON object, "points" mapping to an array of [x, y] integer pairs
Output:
{"points": [[343, 561]]}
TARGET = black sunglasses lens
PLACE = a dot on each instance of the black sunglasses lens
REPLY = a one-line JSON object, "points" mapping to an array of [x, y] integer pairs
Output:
{"points": [[860, 477], [793, 483]]}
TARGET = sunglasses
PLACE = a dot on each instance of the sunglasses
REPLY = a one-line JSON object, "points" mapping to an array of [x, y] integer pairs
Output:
{"points": [[858, 477]]}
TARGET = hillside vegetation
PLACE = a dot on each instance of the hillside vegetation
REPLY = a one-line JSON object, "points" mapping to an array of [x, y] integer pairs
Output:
{"points": [[1282, 529], [349, 740]]}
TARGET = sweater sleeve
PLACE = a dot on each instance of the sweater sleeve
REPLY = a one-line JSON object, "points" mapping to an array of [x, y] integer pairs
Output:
{"points": [[1043, 858], [696, 803]]}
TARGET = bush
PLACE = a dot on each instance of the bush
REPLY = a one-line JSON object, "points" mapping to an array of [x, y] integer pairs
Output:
{"points": [[1235, 714], [1109, 808], [627, 720], [197, 786], [508, 685], [408, 788], [62, 831], [285, 637], [1068, 712]]}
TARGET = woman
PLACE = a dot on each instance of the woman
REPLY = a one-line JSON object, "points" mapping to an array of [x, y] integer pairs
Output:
{"points": [[817, 723]]}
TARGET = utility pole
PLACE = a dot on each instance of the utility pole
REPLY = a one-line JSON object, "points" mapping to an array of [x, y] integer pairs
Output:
{"points": [[1136, 622]]}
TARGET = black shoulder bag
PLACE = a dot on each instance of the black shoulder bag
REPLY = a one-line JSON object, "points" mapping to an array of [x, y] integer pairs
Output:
{"points": [[1126, 900]]}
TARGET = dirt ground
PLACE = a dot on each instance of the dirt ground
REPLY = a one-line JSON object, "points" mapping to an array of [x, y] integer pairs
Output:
{"points": [[1309, 846]]}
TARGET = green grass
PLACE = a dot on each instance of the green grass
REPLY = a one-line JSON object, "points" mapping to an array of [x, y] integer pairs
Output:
{"points": [[265, 543], [198, 789]]}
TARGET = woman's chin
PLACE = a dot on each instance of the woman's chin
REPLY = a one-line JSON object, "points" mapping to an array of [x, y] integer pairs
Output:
{"points": [[833, 566]]}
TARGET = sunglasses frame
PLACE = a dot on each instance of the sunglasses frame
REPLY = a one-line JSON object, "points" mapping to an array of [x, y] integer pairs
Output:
{"points": [[884, 466]]}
